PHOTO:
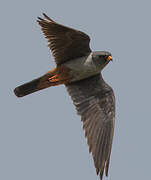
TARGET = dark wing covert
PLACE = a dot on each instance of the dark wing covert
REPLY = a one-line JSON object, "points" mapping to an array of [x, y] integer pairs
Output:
{"points": [[64, 42]]}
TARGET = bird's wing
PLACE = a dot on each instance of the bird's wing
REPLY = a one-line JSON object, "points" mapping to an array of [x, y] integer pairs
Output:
{"points": [[64, 42], [95, 102]]}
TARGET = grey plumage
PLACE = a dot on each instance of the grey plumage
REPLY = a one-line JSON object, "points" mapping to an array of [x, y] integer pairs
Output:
{"points": [[95, 102], [79, 69]]}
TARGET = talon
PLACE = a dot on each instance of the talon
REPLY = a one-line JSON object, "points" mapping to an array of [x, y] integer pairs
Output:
{"points": [[53, 77], [54, 80]]}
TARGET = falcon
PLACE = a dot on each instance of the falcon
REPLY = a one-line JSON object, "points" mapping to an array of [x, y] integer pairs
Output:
{"points": [[78, 68]]}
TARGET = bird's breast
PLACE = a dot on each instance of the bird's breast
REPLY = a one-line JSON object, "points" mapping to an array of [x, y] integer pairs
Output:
{"points": [[81, 68]]}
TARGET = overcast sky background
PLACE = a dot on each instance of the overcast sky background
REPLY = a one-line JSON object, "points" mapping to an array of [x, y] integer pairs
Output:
{"points": [[41, 137]]}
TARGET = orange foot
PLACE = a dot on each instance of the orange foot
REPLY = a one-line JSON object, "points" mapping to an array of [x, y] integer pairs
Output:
{"points": [[54, 78]]}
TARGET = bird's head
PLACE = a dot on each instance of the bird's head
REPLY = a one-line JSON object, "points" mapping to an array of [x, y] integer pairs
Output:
{"points": [[101, 58]]}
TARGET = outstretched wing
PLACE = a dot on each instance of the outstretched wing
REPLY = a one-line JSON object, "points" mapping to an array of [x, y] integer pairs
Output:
{"points": [[95, 102], [64, 42]]}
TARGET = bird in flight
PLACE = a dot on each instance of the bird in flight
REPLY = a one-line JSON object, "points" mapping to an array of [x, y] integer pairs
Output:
{"points": [[78, 68]]}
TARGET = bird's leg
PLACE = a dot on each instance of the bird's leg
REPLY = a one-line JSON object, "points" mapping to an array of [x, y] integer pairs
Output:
{"points": [[54, 78], [59, 75]]}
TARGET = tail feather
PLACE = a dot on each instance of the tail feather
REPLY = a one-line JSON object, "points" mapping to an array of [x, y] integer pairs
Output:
{"points": [[38, 84], [28, 88], [54, 77]]}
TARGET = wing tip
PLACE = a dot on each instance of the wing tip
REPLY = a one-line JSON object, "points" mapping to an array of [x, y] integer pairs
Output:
{"points": [[107, 166], [46, 18], [100, 172]]}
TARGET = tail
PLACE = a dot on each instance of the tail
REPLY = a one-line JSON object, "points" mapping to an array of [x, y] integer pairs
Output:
{"points": [[28, 88], [49, 79]]}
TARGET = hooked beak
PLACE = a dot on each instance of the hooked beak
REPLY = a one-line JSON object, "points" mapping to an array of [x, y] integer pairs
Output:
{"points": [[109, 58]]}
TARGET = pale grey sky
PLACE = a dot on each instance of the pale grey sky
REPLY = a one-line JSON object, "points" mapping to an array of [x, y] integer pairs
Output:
{"points": [[41, 137]]}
